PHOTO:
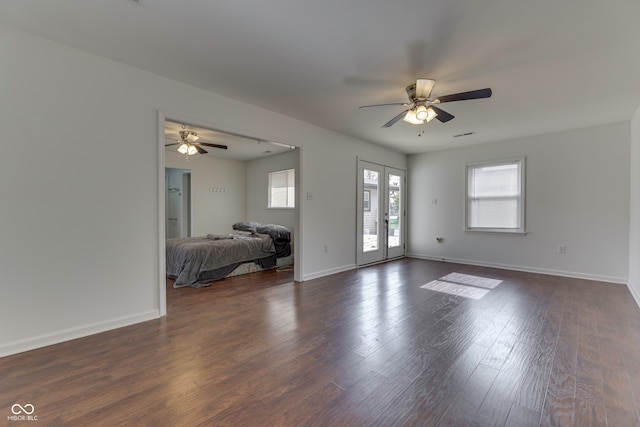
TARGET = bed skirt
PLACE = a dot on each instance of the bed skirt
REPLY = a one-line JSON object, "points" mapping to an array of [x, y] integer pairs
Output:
{"points": [[252, 267]]}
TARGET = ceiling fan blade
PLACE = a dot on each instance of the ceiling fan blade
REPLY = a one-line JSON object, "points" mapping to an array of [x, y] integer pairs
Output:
{"points": [[383, 105], [395, 119], [200, 149], [223, 147], [462, 96], [424, 87], [168, 145], [443, 116]]}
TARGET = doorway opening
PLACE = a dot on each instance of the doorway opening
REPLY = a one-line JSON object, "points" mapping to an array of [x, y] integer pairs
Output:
{"points": [[212, 196]]}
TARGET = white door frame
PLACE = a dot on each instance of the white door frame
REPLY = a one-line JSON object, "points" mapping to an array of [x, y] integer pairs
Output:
{"points": [[380, 202]]}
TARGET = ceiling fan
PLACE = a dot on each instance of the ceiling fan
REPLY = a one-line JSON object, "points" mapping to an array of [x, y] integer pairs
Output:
{"points": [[189, 145], [422, 108]]}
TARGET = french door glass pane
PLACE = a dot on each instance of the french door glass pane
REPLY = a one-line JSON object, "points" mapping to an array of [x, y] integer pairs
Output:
{"points": [[395, 194], [370, 235]]}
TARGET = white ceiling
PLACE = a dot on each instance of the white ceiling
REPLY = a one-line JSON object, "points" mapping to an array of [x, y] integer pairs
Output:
{"points": [[552, 64]]}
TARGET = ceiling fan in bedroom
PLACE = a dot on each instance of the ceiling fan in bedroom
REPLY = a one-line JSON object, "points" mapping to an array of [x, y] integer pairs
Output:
{"points": [[188, 143], [422, 108]]}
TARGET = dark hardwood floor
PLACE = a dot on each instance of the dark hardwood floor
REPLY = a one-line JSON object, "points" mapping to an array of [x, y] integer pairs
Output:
{"points": [[368, 347]]}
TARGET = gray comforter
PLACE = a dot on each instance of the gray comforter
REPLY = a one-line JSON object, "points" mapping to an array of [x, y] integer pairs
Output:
{"points": [[189, 258]]}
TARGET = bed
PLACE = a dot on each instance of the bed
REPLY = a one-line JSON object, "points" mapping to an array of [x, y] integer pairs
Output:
{"points": [[198, 261]]}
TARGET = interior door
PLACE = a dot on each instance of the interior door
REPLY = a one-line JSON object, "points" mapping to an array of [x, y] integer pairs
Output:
{"points": [[381, 211]]}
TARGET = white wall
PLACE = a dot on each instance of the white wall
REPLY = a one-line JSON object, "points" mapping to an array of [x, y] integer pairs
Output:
{"points": [[330, 175], [257, 194], [213, 212], [634, 232], [577, 194], [80, 168]]}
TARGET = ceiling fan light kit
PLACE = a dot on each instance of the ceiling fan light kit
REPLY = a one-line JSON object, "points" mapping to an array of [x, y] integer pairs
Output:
{"points": [[422, 106], [424, 113], [189, 145], [187, 149], [412, 118]]}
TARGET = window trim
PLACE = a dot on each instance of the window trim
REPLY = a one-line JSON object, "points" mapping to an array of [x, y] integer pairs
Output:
{"points": [[269, 176], [521, 162]]}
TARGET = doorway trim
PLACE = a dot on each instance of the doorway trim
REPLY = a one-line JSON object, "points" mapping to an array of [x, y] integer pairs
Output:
{"points": [[162, 268]]}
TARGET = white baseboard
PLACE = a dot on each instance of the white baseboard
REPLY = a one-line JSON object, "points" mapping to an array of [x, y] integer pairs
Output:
{"points": [[527, 269], [635, 292], [32, 343], [328, 272]]}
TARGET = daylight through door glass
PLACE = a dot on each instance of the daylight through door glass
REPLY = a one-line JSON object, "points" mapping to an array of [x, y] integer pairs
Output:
{"points": [[395, 219], [370, 235]]}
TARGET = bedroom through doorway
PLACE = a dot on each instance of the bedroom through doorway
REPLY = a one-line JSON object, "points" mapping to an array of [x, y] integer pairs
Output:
{"points": [[215, 181]]}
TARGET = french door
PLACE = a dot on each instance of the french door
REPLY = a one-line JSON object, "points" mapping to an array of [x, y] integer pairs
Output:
{"points": [[381, 213]]}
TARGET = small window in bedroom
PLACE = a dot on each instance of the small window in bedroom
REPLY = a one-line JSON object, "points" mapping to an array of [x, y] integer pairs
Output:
{"points": [[495, 196], [282, 189]]}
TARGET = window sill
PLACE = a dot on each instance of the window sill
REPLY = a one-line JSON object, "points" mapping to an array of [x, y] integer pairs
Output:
{"points": [[496, 231]]}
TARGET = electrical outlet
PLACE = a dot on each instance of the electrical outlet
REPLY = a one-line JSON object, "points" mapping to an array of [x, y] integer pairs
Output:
{"points": [[562, 249], [326, 248]]}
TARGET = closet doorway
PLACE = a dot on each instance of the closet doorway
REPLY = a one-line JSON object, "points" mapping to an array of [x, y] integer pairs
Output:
{"points": [[177, 202]]}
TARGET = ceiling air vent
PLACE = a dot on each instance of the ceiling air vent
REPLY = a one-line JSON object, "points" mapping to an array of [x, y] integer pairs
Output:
{"points": [[463, 134]]}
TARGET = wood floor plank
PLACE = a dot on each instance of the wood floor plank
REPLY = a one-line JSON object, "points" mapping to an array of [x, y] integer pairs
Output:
{"points": [[588, 414], [502, 393], [520, 416], [433, 397], [367, 347], [344, 410], [559, 406], [464, 407], [308, 407]]}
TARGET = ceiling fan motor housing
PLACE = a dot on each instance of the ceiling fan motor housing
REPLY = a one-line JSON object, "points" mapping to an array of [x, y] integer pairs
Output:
{"points": [[189, 136], [411, 91]]}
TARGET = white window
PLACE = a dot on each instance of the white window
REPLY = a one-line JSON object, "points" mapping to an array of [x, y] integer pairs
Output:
{"points": [[282, 189], [495, 196]]}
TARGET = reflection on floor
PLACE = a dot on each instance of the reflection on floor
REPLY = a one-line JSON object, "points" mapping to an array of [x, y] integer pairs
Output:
{"points": [[464, 285]]}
